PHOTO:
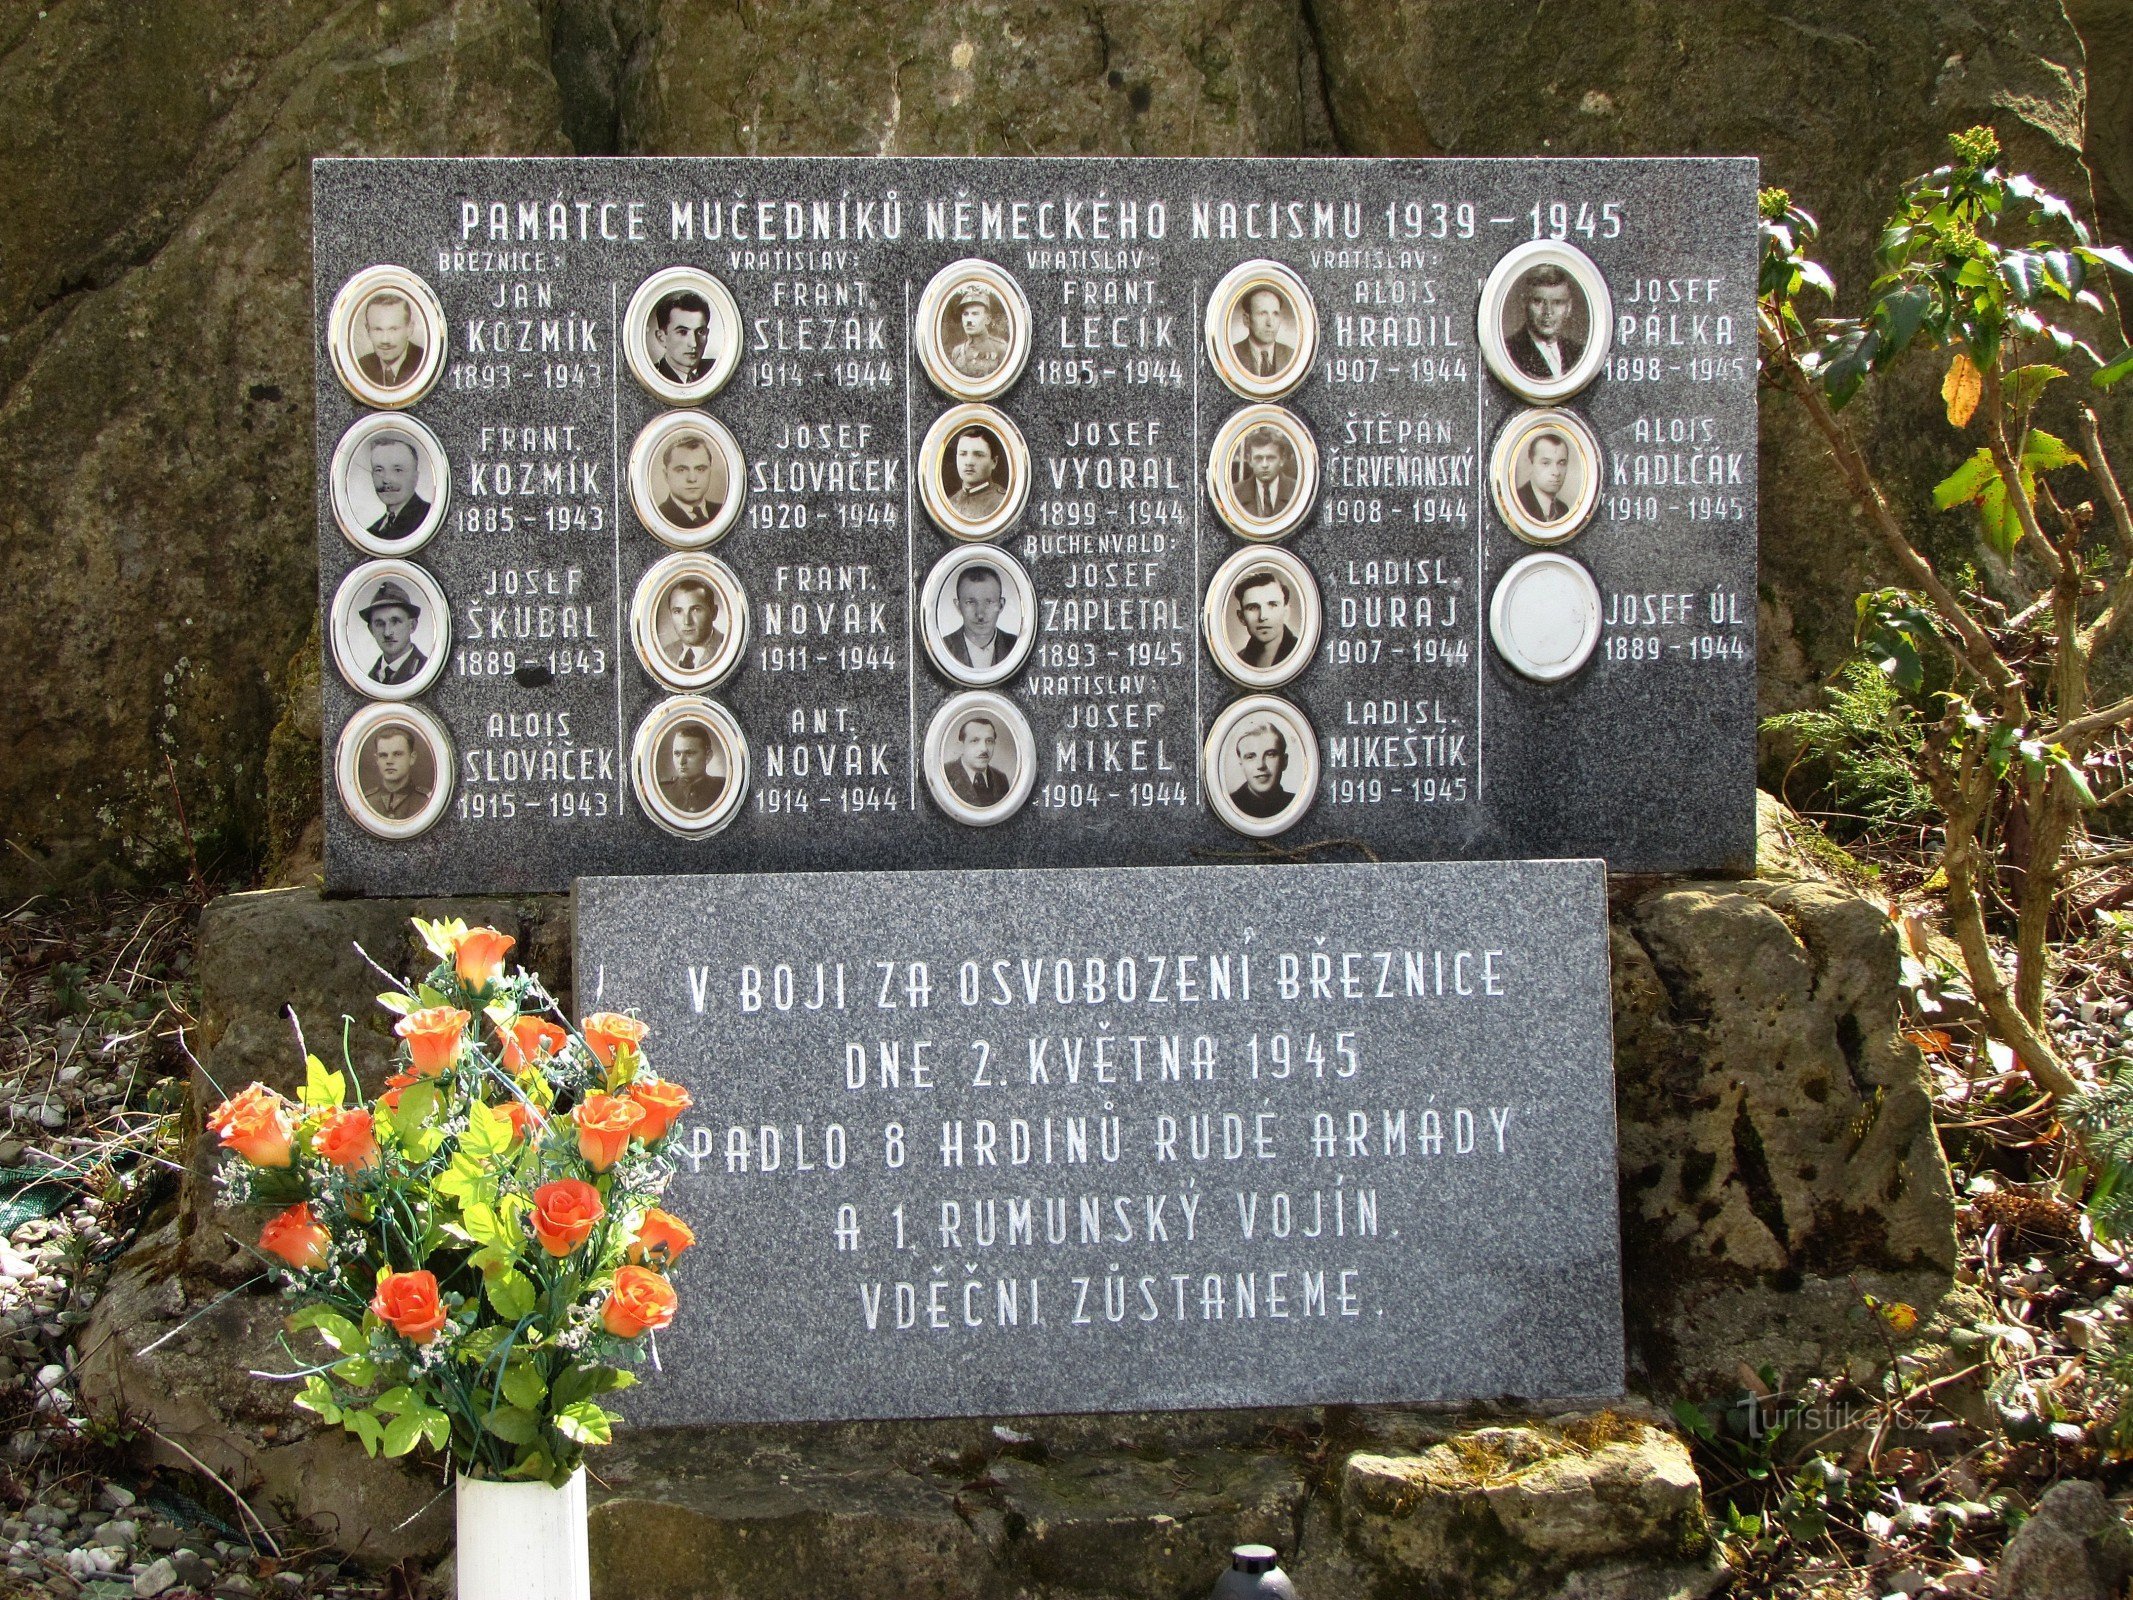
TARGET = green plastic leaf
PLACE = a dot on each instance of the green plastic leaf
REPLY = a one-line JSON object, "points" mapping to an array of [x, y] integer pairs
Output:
{"points": [[403, 1433], [511, 1293], [396, 1399], [358, 1372], [532, 1462], [524, 1386], [338, 1331], [513, 1425], [436, 1429], [585, 1423], [318, 1397], [367, 1428], [488, 1132], [397, 1003], [322, 1088]]}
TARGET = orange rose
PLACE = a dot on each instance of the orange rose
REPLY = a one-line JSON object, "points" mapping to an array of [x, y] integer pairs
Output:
{"points": [[525, 1118], [661, 1235], [608, 1031], [606, 1123], [528, 1040], [296, 1237], [257, 1125], [641, 1299], [408, 1301], [348, 1139], [480, 957], [661, 1104], [564, 1213], [432, 1037]]}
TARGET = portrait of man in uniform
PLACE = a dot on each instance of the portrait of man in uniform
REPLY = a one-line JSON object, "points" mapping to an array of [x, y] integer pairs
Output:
{"points": [[395, 355], [1265, 473], [1262, 352], [688, 784], [975, 475], [1547, 471], [397, 782], [1547, 301], [1262, 752], [688, 464], [395, 473], [980, 351], [691, 612], [979, 641], [391, 614], [681, 320], [972, 772], [1263, 605]]}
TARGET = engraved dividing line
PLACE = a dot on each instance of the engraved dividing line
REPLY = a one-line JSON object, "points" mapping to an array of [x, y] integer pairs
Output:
{"points": [[1478, 601], [911, 467], [1199, 730], [614, 489]]}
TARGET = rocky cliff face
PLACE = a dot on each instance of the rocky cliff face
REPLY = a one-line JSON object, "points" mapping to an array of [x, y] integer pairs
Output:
{"points": [[155, 495]]}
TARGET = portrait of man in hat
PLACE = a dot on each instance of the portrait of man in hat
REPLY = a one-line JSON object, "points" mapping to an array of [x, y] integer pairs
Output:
{"points": [[691, 610], [393, 788], [391, 615], [395, 467], [690, 787], [980, 640], [1267, 482], [1262, 752], [1262, 604], [971, 773], [981, 352], [686, 462], [1262, 351], [680, 322], [395, 353], [979, 486]]}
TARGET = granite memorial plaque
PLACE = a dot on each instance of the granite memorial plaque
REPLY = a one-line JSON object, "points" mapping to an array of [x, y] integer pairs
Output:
{"points": [[1092, 1139], [719, 514]]}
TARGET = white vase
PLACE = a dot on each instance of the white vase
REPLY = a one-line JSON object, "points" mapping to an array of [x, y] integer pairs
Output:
{"points": [[522, 1541]]}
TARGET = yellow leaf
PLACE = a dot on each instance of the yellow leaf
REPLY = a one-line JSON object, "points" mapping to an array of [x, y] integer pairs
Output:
{"points": [[1961, 389], [1900, 1317]]}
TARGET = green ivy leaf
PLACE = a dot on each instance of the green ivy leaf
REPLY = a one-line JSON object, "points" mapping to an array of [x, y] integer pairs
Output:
{"points": [[322, 1088], [367, 1428], [318, 1397], [436, 1429], [338, 1331], [403, 1433], [358, 1372], [488, 1133]]}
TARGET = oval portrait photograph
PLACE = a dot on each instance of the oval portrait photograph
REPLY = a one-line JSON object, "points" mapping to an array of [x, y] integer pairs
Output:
{"points": [[1262, 472], [1262, 617], [687, 479], [981, 758], [390, 484], [1546, 318], [1260, 765], [973, 472], [1262, 330], [1544, 474], [1544, 617], [689, 621], [978, 614], [682, 335], [689, 766], [386, 337], [393, 769], [973, 330], [390, 629]]}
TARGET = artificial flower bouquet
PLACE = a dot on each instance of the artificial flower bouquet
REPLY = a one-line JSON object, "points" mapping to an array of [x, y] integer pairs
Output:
{"points": [[478, 1247]]}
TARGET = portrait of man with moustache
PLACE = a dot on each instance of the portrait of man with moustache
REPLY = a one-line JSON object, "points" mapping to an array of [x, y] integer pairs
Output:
{"points": [[395, 353], [395, 471], [979, 598], [981, 351], [391, 616], [971, 773]]}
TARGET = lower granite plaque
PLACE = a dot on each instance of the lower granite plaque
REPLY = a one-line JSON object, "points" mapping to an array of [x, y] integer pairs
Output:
{"points": [[1069, 1140]]}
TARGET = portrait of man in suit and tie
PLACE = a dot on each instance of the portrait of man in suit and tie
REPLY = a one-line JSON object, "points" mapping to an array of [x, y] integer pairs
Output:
{"points": [[395, 478], [391, 616], [979, 642], [695, 488], [1267, 347], [1546, 495], [1548, 307], [694, 631], [396, 344], [678, 337], [1265, 474], [973, 770], [398, 773], [1264, 607], [687, 780]]}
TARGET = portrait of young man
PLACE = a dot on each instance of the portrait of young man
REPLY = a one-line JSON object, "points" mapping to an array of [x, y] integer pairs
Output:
{"points": [[975, 478], [690, 788], [1268, 482], [1547, 472], [391, 615], [681, 322], [1262, 752], [1262, 352], [686, 462], [980, 641], [395, 792], [692, 615], [1542, 347], [1263, 606], [395, 353], [981, 351], [971, 772], [395, 471]]}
